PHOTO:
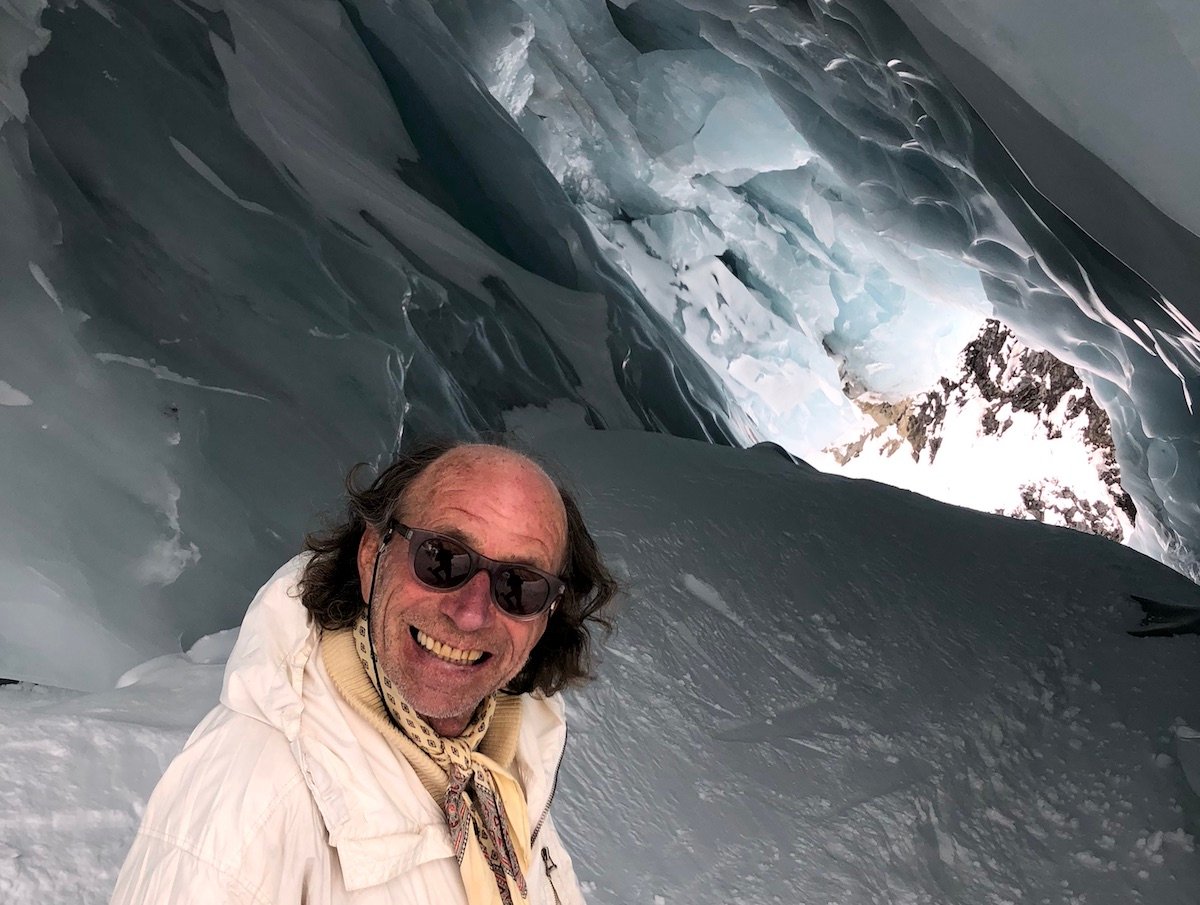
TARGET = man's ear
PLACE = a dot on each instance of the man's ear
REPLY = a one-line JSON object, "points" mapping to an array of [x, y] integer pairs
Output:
{"points": [[368, 546]]}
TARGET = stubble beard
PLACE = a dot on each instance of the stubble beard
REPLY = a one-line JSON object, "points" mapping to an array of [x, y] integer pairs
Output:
{"points": [[417, 694]]}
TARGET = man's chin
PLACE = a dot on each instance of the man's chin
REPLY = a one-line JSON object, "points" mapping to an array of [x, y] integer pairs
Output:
{"points": [[436, 698]]}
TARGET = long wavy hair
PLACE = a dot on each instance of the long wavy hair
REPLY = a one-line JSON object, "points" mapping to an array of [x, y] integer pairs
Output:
{"points": [[332, 593]]}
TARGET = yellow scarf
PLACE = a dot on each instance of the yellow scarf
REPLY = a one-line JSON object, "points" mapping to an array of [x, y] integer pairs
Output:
{"points": [[468, 776]]}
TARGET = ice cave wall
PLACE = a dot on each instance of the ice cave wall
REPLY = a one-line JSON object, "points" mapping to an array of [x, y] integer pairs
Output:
{"points": [[248, 243], [818, 165], [242, 251], [1121, 79]]}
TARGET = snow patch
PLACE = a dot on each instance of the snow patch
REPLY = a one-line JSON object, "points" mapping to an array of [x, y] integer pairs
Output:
{"points": [[169, 556], [709, 596], [10, 395], [212, 178], [47, 286], [161, 372]]}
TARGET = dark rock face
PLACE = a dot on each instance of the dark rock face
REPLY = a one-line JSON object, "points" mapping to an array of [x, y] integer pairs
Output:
{"points": [[1008, 377]]}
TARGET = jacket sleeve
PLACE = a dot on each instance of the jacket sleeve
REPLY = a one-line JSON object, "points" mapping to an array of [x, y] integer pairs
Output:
{"points": [[158, 871]]}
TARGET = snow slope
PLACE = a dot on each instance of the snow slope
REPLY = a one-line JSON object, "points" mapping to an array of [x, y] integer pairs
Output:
{"points": [[821, 691]]}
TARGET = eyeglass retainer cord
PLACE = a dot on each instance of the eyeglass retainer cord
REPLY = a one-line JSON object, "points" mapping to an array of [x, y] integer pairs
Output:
{"points": [[387, 536]]}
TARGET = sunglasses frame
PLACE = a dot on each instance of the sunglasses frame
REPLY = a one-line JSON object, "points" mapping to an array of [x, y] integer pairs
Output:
{"points": [[479, 563]]}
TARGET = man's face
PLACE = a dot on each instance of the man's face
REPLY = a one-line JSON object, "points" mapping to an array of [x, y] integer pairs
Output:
{"points": [[500, 505]]}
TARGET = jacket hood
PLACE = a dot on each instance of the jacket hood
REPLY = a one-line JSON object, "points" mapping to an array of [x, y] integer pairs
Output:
{"points": [[265, 672]]}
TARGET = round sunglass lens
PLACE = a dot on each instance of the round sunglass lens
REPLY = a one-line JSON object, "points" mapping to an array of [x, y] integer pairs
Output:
{"points": [[441, 564], [520, 591]]}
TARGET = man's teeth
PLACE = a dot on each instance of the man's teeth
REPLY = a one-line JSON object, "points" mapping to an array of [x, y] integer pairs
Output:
{"points": [[445, 651]]}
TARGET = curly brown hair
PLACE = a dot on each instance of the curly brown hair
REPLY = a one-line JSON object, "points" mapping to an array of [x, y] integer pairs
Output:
{"points": [[331, 592]]}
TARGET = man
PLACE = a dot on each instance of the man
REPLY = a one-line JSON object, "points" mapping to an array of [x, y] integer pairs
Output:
{"points": [[388, 730]]}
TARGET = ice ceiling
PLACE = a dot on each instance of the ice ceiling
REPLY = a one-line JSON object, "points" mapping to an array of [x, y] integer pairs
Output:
{"points": [[800, 189], [249, 243]]}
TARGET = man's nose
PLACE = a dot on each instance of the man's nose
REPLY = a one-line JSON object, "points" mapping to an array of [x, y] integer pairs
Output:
{"points": [[470, 607]]}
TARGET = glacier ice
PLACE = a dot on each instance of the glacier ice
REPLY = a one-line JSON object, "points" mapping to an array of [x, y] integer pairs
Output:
{"points": [[1115, 76], [236, 267], [252, 242], [898, 210]]}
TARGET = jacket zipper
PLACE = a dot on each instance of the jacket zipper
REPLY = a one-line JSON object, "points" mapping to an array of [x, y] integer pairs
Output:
{"points": [[549, 801], [550, 868]]}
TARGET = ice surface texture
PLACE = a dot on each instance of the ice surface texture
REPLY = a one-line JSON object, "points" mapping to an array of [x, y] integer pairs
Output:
{"points": [[868, 215], [247, 243], [243, 249]]}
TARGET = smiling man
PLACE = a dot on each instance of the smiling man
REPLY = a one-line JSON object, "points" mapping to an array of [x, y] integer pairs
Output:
{"points": [[389, 729]]}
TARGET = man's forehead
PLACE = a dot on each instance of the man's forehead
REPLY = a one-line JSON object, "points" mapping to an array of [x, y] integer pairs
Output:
{"points": [[488, 485], [537, 544], [482, 468]]}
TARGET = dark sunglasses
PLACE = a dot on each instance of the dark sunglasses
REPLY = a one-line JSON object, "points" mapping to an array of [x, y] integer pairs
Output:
{"points": [[443, 564]]}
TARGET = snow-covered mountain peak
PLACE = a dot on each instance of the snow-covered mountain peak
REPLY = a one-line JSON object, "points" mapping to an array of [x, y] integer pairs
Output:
{"points": [[1006, 404]]}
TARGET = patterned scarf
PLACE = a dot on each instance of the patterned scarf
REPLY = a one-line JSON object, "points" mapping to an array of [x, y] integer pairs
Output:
{"points": [[476, 792]]}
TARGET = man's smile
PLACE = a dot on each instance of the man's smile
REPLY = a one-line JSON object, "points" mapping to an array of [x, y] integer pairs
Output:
{"points": [[456, 655]]}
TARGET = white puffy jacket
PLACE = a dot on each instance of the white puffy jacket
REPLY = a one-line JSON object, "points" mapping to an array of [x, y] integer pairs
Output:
{"points": [[284, 794]]}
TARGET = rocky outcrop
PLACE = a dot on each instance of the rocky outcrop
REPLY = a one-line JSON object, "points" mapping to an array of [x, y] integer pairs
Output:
{"points": [[999, 377]]}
